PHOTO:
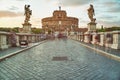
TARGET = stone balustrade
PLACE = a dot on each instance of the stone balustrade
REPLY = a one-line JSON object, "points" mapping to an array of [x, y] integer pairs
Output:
{"points": [[87, 37], [116, 40], [8, 39], [107, 39], [102, 39], [4, 40]]}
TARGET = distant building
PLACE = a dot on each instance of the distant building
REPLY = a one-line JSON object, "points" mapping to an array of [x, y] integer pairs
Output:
{"points": [[59, 21]]}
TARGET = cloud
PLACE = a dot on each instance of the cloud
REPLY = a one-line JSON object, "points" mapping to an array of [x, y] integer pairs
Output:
{"points": [[10, 14], [109, 24], [108, 17], [110, 3], [73, 2], [113, 6], [13, 8], [36, 20], [20, 0], [114, 9]]}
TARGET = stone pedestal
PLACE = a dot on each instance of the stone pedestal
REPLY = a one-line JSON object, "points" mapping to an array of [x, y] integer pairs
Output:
{"points": [[26, 28], [91, 27], [116, 40]]}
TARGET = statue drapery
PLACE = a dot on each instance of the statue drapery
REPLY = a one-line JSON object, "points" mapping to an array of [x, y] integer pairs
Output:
{"points": [[91, 13], [27, 13]]}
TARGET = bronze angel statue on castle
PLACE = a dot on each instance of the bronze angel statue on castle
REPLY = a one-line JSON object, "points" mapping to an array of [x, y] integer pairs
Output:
{"points": [[27, 13]]}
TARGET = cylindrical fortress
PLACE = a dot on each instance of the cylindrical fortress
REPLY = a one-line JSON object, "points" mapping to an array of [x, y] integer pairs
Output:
{"points": [[59, 21]]}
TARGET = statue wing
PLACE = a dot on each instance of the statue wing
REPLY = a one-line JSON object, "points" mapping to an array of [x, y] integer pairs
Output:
{"points": [[25, 7], [31, 12], [93, 12]]}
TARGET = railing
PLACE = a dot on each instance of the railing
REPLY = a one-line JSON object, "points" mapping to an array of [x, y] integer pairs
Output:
{"points": [[8, 39], [107, 39]]}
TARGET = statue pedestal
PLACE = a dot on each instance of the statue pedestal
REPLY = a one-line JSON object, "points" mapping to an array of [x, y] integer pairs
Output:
{"points": [[26, 28], [91, 27], [88, 35]]}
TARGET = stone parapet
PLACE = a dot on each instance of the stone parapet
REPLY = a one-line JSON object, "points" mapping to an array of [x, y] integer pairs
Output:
{"points": [[116, 40], [102, 39], [7, 39], [3, 40], [87, 37]]}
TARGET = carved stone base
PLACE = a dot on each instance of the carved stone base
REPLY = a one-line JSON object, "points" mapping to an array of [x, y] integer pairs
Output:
{"points": [[91, 27], [26, 28]]}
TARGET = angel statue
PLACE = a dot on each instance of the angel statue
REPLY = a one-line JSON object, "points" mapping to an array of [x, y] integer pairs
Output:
{"points": [[91, 13], [27, 13]]}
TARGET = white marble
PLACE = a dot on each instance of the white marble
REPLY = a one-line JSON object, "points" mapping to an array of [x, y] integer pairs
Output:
{"points": [[26, 28], [87, 37], [3, 41], [91, 27], [17, 38], [101, 39], [116, 40]]}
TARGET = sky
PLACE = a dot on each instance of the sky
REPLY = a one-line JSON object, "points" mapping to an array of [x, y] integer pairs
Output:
{"points": [[107, 12]]}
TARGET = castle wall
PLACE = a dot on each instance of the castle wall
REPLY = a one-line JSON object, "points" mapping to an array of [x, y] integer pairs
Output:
{"points": [[59, 21]]}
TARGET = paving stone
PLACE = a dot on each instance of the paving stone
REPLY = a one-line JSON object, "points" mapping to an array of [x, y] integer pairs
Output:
{"points": [[37, 64]]}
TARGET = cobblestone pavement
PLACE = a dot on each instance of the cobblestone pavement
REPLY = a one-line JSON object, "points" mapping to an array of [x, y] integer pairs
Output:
{"points": [[105, 49], [38, 63], [9, 50], [14, 49]]}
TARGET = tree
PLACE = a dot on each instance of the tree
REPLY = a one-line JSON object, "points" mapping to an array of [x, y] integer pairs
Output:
{"points": [[37, 30], [114, 28], [16, 29], [5, 29]]}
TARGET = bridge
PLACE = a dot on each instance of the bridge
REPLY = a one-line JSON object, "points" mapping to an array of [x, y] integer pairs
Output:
{"points": [[59, 59], [63, 51]]}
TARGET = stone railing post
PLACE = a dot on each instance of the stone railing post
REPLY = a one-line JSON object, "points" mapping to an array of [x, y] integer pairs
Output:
{"points": [[116, 40], [108, 39], [87, 37], [82, 37], [101, 39], [92, 36], [17, 40], [3, 40]]}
